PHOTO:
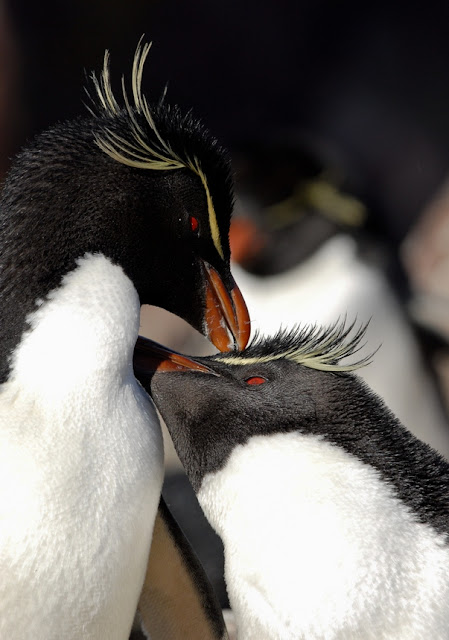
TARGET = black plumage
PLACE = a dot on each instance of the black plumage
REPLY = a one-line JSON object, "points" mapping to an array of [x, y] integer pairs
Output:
{"points": [[65, 197]]}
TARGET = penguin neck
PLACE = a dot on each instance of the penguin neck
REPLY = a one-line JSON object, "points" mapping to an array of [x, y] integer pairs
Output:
{"points": [[81, 337]]}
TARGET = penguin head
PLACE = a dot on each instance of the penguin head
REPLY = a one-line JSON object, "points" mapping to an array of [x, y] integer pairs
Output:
{"points": [[147, 187], [292, 382], [299, 381]]}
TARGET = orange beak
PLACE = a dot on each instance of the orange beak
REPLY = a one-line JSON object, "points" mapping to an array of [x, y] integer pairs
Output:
{"points": [[227, 323], [150, 356]]}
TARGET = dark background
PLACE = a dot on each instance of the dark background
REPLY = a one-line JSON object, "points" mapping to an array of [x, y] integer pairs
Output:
{"points": [[367, 82]]}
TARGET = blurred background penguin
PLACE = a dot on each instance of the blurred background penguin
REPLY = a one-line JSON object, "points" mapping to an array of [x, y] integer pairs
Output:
{"points": [[336, 118]]}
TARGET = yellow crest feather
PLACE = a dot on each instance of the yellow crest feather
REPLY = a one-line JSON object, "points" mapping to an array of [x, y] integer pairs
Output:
{"points": [[135, 150], [321, 348]]}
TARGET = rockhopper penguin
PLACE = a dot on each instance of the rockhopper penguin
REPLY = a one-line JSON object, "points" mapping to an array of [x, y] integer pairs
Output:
{"points": [[130, 205], [334, 517]]}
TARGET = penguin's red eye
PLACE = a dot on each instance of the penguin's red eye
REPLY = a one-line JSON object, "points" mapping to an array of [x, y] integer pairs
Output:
{"points": [[194, 224], [255, 380]]}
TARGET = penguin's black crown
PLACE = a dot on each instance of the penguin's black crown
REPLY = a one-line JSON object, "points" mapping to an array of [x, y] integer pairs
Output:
{"points": [[159, 138]]}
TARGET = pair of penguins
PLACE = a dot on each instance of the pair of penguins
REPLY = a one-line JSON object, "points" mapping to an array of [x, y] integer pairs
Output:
{"points": [[334, 518]]}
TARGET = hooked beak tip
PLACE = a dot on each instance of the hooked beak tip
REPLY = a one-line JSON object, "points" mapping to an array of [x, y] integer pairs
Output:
{"points": [[227, 322], [151, 357]]}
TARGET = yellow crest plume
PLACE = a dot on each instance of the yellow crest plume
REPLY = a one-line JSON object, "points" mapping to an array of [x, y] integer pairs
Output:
{"points": [[136, 150], [321, 348]]}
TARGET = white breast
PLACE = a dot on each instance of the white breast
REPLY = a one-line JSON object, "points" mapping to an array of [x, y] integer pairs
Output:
{"points": [[81, 465], [318, 547]]}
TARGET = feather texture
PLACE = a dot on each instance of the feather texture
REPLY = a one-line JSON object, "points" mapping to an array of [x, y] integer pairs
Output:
{"points": [[136, 148], [322, 348]]}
